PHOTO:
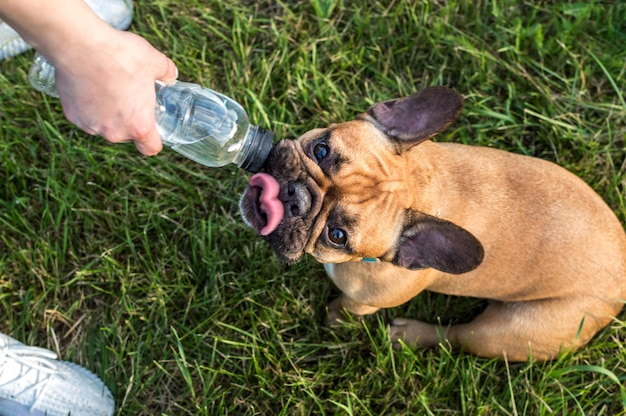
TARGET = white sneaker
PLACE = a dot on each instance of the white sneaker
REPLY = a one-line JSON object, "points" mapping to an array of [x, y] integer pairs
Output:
{"points": [[11, 44], [34, 383], [117, 13]]}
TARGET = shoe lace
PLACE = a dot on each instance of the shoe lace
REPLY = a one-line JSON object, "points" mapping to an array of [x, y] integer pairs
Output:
{"points": [[30, 359]]}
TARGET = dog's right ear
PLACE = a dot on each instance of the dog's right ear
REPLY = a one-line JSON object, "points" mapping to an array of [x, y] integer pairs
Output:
{"points": [[432, 242], [418, 117]]}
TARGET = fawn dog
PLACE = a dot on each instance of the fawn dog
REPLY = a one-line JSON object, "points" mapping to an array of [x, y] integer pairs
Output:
{"points": [[524, 233]]}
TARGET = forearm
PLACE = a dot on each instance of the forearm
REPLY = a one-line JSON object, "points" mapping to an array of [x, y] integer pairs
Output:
{"points": [[45, 25]]}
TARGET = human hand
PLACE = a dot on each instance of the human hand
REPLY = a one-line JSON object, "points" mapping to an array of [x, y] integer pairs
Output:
{"points": [[108, 89], [104, 77]]}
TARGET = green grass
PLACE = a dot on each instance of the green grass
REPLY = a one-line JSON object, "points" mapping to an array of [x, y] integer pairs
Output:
{"points": [[142, 270]]}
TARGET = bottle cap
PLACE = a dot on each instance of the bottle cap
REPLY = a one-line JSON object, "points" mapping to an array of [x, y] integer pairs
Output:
{"points": [[261, 142]]}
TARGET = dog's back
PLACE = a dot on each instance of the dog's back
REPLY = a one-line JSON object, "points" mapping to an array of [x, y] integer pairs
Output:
{"points": [[555, 253], [547, 227]]}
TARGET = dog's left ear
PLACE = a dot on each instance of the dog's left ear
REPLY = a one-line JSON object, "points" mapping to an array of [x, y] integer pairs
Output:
{"points": [[430, 242], [417, 117]]}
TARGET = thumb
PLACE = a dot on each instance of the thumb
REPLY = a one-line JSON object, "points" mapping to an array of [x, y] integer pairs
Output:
{"points": [[167, 70], [149, 145]]}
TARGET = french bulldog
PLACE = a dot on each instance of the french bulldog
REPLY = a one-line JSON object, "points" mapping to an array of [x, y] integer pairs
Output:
{"points": [[391, 213]]}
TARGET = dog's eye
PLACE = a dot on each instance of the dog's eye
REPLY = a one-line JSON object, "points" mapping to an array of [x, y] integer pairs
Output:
{"points": [[320, 151], [337, 236]]}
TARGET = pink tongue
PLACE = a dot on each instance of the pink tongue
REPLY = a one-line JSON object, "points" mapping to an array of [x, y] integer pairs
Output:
{"points": [[271, 206]]}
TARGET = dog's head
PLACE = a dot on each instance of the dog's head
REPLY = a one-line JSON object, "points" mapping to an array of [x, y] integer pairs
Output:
{"points": [[343, 193]]}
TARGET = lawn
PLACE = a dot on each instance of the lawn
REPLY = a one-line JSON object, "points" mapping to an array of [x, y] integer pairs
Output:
{"points": [[142, 270]]}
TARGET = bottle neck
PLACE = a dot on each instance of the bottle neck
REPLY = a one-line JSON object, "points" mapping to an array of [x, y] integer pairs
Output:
{"points": [[259, 143]]}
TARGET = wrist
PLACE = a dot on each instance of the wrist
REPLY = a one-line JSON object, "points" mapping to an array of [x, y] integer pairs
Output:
{"points": [[51, 27], [67, 49]]}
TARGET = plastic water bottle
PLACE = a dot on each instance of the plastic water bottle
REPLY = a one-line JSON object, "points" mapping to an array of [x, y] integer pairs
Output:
{"points": [[206, 126]]}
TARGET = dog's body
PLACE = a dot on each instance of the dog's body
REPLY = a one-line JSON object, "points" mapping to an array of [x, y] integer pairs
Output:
{"points": [[461, 220]]}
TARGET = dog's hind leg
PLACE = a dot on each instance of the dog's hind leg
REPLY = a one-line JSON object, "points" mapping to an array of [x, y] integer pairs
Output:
{"points": [[516, 331]]}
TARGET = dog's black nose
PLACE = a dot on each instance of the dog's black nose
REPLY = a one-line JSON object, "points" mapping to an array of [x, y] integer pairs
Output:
{"points": [[297, 199]]}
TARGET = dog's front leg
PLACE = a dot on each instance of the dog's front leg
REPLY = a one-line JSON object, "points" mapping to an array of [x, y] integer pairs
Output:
{"points": [[338, 308]]}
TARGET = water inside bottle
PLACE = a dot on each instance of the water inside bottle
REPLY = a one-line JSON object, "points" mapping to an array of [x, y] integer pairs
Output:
{"points": [[211, 153], [210, 128]]}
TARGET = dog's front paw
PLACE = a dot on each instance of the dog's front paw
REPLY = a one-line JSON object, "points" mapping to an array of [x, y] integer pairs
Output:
{"points": [[336, 313], [413, 333], [343, 307]]}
